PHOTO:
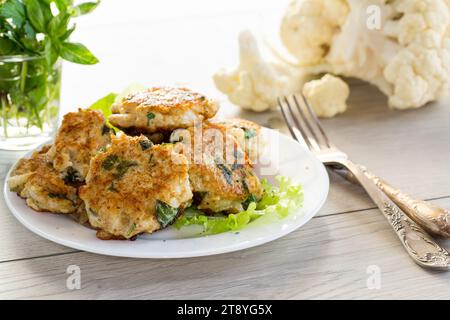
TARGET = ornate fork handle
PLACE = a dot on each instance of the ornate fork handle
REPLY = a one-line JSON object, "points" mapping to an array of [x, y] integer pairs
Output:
{"points": [[419, 245], [433, 219]]}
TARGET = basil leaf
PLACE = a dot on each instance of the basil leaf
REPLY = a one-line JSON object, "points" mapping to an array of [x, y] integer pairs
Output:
{"points": [[28, 38], [15, 10], [84, 8], [35, 14], [51, 51], [77, 53], [67, 34], [29, 31], [63, 5], [57, 26], [165, 213]]}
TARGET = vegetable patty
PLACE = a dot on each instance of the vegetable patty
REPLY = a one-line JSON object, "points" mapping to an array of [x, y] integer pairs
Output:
{"points": [[134, 187]]}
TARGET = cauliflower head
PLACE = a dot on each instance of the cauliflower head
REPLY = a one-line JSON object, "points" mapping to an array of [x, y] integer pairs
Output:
{"points": [[407, 54], [327, 95], [256, 83]]}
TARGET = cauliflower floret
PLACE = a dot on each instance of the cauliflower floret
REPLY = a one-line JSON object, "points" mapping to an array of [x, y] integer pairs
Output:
{"points": [[309, 26], [327, 95], [418, 76], [407, 57], [256, 84], [419, 72]]}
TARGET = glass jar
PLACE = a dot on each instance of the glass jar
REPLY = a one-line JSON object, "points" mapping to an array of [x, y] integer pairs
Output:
{"points": [[29, 101]]}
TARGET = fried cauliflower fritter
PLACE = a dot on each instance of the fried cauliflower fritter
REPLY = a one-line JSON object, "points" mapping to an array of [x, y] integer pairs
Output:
{"points": [[161, 109], [134, 187], [79, 138], [221, 174], [40, 184], [246, 133]]}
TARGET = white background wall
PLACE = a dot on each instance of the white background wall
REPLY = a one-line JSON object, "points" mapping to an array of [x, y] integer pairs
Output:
{"points": [[163, 42]]}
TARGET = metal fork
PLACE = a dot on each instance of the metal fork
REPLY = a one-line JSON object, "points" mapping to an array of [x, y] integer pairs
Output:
{"points": [[304, 125]]}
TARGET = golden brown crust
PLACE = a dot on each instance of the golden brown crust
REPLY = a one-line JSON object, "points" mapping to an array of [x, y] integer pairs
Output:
{"points": [[80, 136], [221, 174], [36, 181], [125, 182], [246, 133], [31, 164], [162, 109]]}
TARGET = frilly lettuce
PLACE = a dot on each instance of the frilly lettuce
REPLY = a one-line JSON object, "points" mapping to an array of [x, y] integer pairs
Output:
{"points": [[276, 201]]}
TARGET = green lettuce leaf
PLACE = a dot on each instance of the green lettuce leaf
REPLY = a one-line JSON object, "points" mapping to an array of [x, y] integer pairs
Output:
{"points": [[277, 202], [104, 106]]}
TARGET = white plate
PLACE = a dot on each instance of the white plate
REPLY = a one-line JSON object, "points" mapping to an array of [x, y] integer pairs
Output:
{"points": [[282, 156]]}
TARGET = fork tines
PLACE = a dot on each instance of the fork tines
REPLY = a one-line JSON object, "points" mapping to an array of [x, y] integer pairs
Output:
{"points": [[303, 122]]}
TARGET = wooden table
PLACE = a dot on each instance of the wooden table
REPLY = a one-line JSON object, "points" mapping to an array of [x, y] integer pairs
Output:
{"points": [[333, 256]]}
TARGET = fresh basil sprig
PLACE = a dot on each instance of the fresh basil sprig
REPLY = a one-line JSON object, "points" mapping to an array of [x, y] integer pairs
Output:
{"points": [[29, 89], [43, 27]]}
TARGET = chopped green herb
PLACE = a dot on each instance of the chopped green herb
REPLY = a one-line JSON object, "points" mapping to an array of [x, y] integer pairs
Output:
{"points": [[110, 161], [227, 173], [123, 167], [57, 196], [145, 144], [165, 213], [132, 228], [251, 198], [72, 176], [150, 116], [249, 133], [105, 129]]}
